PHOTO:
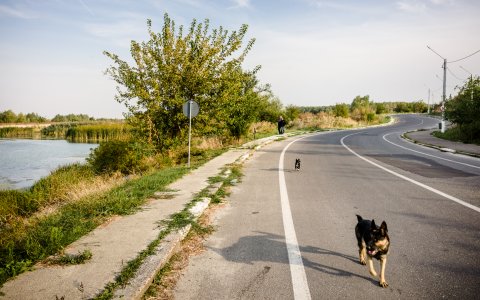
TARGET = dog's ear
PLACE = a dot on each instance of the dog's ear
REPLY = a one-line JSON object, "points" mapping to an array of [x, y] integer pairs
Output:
{"points": [[383, 227], [372, 225]]}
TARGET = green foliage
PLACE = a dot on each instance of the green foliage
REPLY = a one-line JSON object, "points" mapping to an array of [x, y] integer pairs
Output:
{"points": [[19, 132], [24, 243], [360, 103], [72, 118], [97, 132], [126, 157], [9, 116], [464, 111], [176, 65], [291, 112], [380, 108], [341, 110], [313, 109], [48, 190], [72, 259], [411, 107], [270, 106], [362, 109], [91, 132], [16, 203]]}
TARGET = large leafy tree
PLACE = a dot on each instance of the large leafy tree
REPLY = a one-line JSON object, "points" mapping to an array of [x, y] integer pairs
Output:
{"points": [[174, 66], [464, 110]]}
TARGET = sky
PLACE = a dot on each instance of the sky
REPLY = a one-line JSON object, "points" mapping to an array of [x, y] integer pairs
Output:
{"points": [[311, 52]]}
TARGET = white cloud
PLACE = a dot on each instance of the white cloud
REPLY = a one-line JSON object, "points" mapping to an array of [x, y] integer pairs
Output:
{"points": [[241, 4], [120, 33], [15, 12], [411, 6], [442, 2]]}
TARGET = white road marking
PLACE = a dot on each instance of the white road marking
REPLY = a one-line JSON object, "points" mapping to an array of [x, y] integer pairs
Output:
{"points": [[477, 209], [426, 154], [297, 270]]}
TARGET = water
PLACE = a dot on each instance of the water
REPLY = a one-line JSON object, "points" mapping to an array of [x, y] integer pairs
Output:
{"points": [[23, 162]]}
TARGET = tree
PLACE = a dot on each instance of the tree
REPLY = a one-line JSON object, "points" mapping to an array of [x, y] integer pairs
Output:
{"points": [[270, 105], [292, 112], [8, 116], [361, 109], [341, 110], [464, 110], [173, 67]]}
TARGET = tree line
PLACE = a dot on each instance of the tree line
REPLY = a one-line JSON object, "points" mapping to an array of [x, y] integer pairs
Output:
{"points": [[8, 116]]}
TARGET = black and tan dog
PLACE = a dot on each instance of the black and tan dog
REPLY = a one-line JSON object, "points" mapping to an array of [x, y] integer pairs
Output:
{"points": [[373, 242], [297, 164]]}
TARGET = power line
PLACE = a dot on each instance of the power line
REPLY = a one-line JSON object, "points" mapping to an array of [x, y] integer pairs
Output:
{"points": [[464, 57], [451, 73]]}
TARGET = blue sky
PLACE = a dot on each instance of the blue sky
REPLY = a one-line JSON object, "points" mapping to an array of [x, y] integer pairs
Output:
{"points": [[312, 52]]}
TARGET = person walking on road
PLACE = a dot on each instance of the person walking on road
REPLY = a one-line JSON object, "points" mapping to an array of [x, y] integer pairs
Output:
{"points": [[281, 125]]}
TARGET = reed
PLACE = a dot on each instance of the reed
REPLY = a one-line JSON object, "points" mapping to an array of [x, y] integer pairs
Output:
{"points": [[89, 132], [95, 133], [20, 132]]}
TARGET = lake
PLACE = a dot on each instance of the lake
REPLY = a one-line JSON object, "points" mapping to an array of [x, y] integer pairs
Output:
{"points": [[23, 162]]}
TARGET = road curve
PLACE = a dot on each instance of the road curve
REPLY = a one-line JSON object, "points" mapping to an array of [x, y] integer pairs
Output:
{"points": [[371, 172]]}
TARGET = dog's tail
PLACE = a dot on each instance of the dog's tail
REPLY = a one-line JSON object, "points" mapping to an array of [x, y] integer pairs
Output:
{"points": [[359, 218]]}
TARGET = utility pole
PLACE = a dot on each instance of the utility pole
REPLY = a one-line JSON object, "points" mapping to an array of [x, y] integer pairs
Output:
{"points": [[428, 102], [444, 97], [444, 94], [442, 124]]}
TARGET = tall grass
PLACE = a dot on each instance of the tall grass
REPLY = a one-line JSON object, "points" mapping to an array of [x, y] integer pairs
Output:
{"points": [[27, 236], [98, 132], [20, 132], [91, 132], [22, 243]]}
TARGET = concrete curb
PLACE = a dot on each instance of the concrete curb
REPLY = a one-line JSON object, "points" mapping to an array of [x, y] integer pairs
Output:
{"points": [[169, 245], [138, 285], [440, 148]]}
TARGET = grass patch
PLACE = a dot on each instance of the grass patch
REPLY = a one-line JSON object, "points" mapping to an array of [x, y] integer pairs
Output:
{"points": [[165, 280], [458, 134], [26, 238], [176, 221], [71, 259]]}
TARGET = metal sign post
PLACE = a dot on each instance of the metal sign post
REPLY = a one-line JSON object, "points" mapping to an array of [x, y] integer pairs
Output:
{"points": [[190, 109]]}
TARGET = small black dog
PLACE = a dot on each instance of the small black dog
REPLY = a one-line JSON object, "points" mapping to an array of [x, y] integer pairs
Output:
{"points": [[373, 241], [297, 164]]}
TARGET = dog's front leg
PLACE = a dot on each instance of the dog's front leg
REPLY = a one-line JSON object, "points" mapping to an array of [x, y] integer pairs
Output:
{"points": [[383, 263], [371, 269], [362, 253]]}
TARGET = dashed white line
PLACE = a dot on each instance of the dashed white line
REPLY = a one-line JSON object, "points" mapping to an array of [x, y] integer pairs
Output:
{"points": [[477, 209], [297, 270]]}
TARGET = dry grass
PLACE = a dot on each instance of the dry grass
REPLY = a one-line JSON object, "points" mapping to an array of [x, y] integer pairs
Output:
{"points": [[322, 120], [208, 143], [164, 286], [79, 191]]}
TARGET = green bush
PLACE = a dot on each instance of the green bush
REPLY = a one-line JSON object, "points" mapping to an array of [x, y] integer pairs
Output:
{"points": [[16, 203], [126, 157]]}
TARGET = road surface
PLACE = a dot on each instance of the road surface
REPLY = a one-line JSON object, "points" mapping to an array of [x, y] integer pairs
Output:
{"points": [[290, 235]]}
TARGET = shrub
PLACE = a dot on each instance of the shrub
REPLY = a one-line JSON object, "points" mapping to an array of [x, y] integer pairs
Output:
{"points": [[15, 203], [126, 157]]}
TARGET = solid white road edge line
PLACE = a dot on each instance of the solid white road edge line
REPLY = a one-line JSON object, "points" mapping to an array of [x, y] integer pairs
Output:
{"points": [[297, 270], [426, 154], [409, 179]]}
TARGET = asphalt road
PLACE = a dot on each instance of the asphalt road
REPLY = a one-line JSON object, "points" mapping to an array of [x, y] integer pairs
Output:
{"points": [[429, 199]]}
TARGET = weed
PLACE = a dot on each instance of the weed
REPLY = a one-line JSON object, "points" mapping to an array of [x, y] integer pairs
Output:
{"points": [[71, 259]]}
